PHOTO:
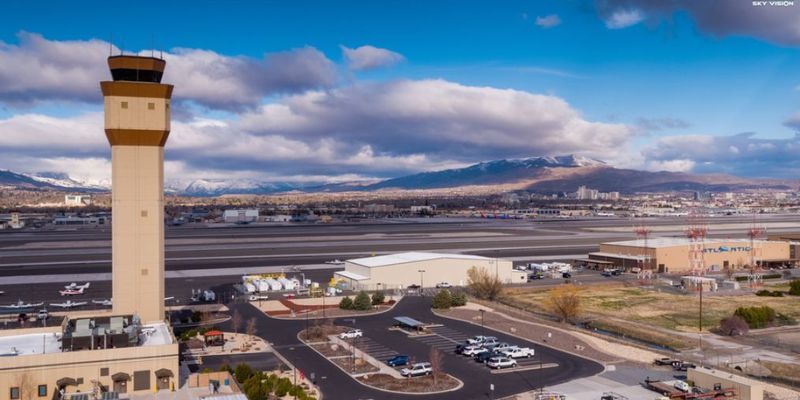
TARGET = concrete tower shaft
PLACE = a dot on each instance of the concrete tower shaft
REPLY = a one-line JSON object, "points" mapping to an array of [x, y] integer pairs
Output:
{"points": [[137, 124]]}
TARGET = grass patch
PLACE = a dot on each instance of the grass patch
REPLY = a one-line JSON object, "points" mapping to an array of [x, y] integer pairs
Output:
{"points": [[783, 371]]}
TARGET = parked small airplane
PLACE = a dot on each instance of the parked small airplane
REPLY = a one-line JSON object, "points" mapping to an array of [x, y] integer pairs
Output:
{"points": [[69, 304], [19, 304], [73, 292], [75, 286], [106, 302]]}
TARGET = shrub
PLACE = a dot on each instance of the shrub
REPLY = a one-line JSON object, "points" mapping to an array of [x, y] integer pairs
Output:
{"points": [[784, 319], [733, 326], [459, 299], [346, 303], [243, 372], [378, 298], [794, 287], [484, 284], [769, 293], [442, 300], [362, 301], [282, 387], [756, 317]]}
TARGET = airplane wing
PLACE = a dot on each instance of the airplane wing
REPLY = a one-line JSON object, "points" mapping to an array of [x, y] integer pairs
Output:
{"points": [[169, 298], [36, 304], [79, 303], [62, 305]]}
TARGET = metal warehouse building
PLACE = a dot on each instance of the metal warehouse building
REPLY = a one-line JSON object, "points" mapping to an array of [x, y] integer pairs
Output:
{"points": [[671, 255], [398, 271]]}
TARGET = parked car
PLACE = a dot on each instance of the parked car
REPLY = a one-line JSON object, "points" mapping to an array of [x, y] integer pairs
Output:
{"points": [[480, 339], [42, 315], [501, 346], [397, 361], [519, 352], [665, 361], [533, 277], [484, 357], [566, 275], [682, 386], [682, 366], [489, 342], [501, 362], [443, 285], [417, 369], [606, 273], [460, 348], [473, 350], [351, 334]]}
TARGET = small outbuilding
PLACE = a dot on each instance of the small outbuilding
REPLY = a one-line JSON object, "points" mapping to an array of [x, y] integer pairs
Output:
{"points": [[214, 338]]}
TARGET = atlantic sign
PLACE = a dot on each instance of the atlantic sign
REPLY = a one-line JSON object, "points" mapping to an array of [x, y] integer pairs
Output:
{"points": [[726, 249]]}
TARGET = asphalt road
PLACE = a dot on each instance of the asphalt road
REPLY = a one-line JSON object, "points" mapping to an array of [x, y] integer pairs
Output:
{"points": [[197, 246], [335, 384]]}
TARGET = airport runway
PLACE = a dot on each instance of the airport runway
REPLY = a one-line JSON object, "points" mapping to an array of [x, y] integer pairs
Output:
{"points": [[220, 247]]}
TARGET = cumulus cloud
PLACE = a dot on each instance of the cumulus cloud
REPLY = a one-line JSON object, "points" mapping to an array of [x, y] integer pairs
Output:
{"points": [[370, 57], [548, 21], [742, 154], [440, 118], [364, 130], [38, 69], [793, 121], [717, 17], [620, 19]]}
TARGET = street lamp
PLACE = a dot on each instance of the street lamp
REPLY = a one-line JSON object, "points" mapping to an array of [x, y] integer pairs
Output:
{"points": [[483, 328], [421, 284]]}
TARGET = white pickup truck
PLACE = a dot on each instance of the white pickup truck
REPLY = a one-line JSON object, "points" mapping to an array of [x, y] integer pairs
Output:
{"points": [[518, 352]]}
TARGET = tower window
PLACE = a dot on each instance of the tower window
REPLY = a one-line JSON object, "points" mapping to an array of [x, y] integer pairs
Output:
{"points": [[42, 390], [151, 106], [124, 105], [14, 393], [144, 213]]}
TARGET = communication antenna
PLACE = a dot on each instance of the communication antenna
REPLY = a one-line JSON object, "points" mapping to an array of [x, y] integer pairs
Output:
{"points": [[645, 273], [754, 233], [696, 231], [152, 45]]}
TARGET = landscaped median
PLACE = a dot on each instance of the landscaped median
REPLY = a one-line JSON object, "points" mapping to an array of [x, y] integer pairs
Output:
{"points": [[365, 369]]}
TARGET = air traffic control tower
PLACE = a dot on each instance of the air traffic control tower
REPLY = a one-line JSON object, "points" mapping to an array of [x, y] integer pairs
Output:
{"points": [[137, 124]]}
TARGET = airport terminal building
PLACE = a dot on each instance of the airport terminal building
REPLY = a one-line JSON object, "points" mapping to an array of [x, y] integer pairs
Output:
{"points": [[671, 254], [398, 271]]}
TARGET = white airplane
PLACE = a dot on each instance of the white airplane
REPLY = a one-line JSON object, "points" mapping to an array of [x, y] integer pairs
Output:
{"points": [[106, 302], [169, 298], [75, 286], [20, 304], [335, 262], [69, 304], [72, 292]]}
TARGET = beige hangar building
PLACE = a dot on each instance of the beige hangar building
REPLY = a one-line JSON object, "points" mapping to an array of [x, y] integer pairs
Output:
{"points": [[671, 254], [131, 348], [398, 271]]}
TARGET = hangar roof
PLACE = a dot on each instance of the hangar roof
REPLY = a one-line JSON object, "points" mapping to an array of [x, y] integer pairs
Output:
{"points": [[676, 241], [402, 258]]}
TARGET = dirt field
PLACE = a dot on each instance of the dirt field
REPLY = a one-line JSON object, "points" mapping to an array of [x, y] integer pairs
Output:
{"points": [[672, 311]]}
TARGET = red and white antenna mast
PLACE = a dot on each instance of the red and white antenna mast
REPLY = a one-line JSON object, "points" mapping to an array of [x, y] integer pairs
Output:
{"points": [[642, 232], [696, 231], [755, 232]]}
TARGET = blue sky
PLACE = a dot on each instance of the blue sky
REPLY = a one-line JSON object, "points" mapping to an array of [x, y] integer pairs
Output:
{"points": [[630, 82]]}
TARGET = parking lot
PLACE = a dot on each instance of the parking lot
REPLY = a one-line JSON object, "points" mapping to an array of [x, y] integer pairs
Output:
{"points": [[382, 342]]}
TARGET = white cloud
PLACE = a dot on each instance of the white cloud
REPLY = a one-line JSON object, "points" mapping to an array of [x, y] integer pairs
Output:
{"points": [[38, 69], [441, 118], [716, 17], [620, 19], [370, 57], [671, 165], [549, 21]]}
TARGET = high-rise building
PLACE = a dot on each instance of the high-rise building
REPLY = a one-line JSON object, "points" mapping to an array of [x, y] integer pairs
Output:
{"points": [[137, 124]]}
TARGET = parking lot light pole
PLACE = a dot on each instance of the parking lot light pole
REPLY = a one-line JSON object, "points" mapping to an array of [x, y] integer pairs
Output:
{"points": [[421, 284]]}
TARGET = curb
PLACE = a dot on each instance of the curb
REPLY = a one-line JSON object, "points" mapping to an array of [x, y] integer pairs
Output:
{"points": [[458, 387]]}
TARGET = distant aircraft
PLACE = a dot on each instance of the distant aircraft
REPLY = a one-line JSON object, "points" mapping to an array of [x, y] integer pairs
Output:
{"points": [[106, 303], [75, 286], [19, 304], [69, 304], [335, 262], [73, 292], [169, 298]]}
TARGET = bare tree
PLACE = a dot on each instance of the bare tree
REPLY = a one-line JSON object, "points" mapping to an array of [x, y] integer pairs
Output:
{"points": [[484, 284], [237, 321], [564, 301], [436, 364], [251, 329]]}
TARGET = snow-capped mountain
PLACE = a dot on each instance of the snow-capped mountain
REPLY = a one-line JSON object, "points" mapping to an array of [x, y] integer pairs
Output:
{"points": [[65, 181]]}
